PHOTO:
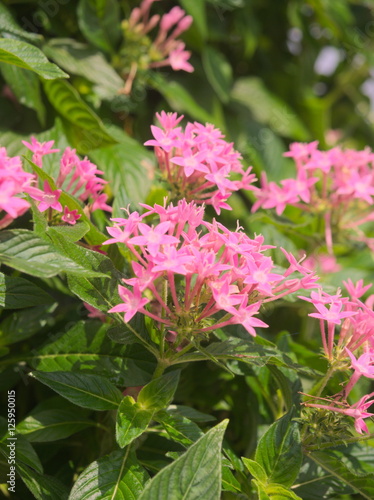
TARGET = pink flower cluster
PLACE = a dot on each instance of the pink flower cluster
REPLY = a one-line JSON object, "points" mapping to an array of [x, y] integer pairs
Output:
{"points": [[165, 49], [14, 182], [356, 336], [197, 162], [338, 184], [194, 277], [77, 177]]}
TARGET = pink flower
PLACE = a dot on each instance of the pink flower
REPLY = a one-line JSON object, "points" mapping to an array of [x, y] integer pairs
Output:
{"points": [[47, 198], [178, 59], [40, 149], [332, 315], [153, 237], [132, 302], [70, 217]]}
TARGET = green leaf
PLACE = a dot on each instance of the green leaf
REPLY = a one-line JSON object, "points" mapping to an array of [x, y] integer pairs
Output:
{"points": [[180, 429], [82, 389], [180, 100], [279, 451], [27, 56], [331, 461], [100, 23], [114, 476], [68, 103], [17, 293], [72, 233], [8, 25], [25, 251], [268, 109], [51, 425], [197, 10], [255, 469], [85, 348], [25, 453], [195, 475], [41, 486], [218, 72], [26, 87], [159, 392], [132, 420], [190, 413], [125, 167], [279, 492], [80, 59]]}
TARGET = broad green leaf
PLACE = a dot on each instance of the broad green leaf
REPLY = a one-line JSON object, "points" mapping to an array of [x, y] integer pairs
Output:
{"points": [[112, 477], [197, 10], [25, 251], [179, 428], [17, 293], [80, 59], [255, 469], [126, 167], [26, 87], [279, 451], [180, 100], [158, 394], [25, 323], [72, 233], [100, 23], [229, 482], [82, 389], [85, 348], [218, 72], [51, 425], [268, 109], [195, 475], [25, 453], [68, 103], [331, 462], [190, 413], [27, 56], [43, 487], [279, 492], [8, 25], [132, 420]]}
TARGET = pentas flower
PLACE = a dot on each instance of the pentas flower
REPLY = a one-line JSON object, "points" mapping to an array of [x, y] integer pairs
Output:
{"points": [[40, 149], [192, 276], [14, 182], [70, 216], [48, 198], [197, 163], [142, 50], [357, 410], [325, 181]]}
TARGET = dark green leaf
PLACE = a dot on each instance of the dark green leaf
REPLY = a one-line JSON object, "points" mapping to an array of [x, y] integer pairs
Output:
{"points": [[27, 56], [82, 389], [41, 486], [8, 25], [179, 428], [51, 425], [115, 476], [197, 10], [279, 451], [17, 293], [218, 72], [195, 475], [100, 23], [25, 453], [190, 413]]}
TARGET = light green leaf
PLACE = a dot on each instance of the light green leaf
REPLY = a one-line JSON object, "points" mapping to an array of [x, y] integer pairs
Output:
{"points": [[72, 233], [218, 72], [279, 451], [85, 348], [132, 420], [159, 392], [80, 59], [27, 56], [279, 492], [268, 109], [16, 293], [100, 23], [180, 429], [25, 251], [26, 87], [51, 425], [195, 475], [82, 389], [331, 461], [115, 476], [255, 469]]}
